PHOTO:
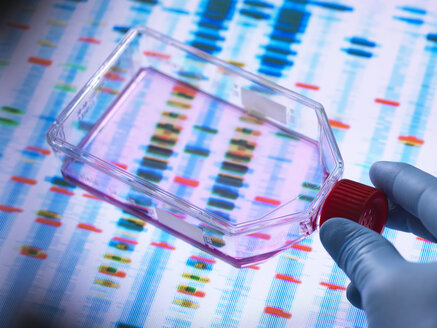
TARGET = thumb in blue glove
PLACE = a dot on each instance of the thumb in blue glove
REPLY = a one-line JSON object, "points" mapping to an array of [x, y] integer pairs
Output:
{"points": [[392, 291]]}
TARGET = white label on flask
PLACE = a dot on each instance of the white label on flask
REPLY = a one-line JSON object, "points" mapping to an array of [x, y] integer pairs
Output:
{"points": [[180, 225], [264, 106]]}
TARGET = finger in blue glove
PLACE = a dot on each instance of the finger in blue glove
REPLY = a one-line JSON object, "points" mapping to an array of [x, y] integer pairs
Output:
{"points": [[392, 291], [412, 196]]}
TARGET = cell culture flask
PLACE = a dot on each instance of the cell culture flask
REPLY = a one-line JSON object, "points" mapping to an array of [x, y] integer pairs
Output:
{"points": [[224, 159]]}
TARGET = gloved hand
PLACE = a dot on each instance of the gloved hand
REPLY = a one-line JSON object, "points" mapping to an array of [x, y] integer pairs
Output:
{"points": [[392, 291]]}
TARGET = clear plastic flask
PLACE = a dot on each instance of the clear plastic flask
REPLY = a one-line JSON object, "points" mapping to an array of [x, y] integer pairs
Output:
{"points": [[226, 160]]}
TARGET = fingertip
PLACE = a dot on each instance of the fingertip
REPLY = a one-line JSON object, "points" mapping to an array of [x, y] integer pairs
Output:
{"points": [[327, 228], [360, 252], [354, 296], [383, 173], [336, 232], [412, 189]]}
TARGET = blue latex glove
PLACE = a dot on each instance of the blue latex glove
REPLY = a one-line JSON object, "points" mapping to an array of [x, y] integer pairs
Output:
{"points": [[392, 291]]}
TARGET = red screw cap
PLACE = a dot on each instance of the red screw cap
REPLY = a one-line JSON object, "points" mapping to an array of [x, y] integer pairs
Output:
{"points": [[357, 202]]}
